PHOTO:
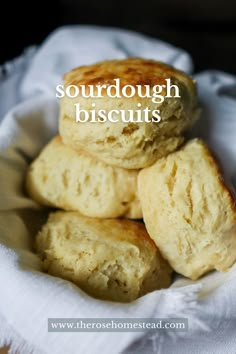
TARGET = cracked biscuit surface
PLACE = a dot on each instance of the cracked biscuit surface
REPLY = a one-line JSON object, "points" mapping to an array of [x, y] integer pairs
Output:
{"points": [[111, 259], [189, 212], [73, 180], [129, 145]]}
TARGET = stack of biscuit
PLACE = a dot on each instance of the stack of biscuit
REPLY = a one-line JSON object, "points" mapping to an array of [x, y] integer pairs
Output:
{"points": [[102, 174]]}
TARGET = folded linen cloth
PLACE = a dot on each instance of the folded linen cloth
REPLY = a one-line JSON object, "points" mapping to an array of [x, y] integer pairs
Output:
{"points": [[28, 297]]}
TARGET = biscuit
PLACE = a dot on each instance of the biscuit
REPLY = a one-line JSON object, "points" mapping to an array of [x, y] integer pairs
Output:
{"points": [[112, 259], [189, 212], [128, 145], [73, 180]]}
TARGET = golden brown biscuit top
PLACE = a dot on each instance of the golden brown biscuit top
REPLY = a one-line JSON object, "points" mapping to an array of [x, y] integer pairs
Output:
{"points": [[123, 230], [131, 71]]}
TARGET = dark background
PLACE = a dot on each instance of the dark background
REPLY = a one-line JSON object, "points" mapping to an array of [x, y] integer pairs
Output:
{"points": [[204, 28]]}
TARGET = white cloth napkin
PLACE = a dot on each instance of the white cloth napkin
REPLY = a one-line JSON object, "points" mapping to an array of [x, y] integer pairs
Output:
{"points": [[29, 297]]}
